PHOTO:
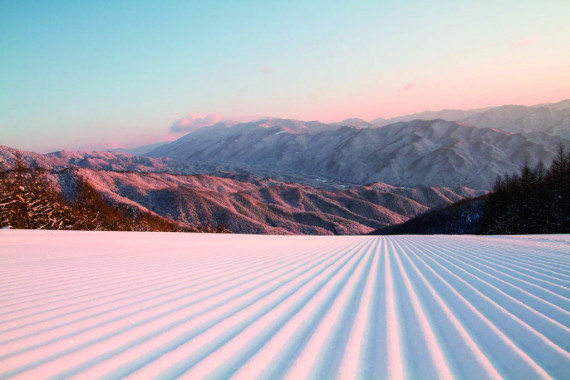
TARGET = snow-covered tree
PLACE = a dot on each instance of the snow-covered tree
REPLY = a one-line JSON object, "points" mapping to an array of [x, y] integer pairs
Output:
{"points": [[28, 200]]}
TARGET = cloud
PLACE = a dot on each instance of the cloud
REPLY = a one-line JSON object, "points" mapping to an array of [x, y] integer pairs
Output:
{"points": [[408, 86], [530, 40], [198, 120], [194, 121]]}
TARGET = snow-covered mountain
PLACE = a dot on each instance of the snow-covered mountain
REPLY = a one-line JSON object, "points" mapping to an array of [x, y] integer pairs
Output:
{"points": [[242, 202], [348, 153], [341, 178], [415, 153], [286, 125], [140, 150], [354, 122], [551, 118], [117, 161], [262, 205]]}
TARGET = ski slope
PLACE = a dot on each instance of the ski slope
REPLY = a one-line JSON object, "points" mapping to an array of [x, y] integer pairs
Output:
{"points": [[87, 305]]}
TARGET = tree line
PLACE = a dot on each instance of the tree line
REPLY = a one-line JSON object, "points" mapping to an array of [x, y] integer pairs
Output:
{"points": [[534, 201]]}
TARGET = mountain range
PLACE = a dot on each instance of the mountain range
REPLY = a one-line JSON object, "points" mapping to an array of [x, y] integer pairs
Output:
{"points": [[551, 118], [244, 204], [263, 205], [414, 153], [291, 176]]}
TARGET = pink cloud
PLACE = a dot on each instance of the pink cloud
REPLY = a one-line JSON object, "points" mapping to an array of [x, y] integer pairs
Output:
{"points": [[199, 120], [264, 69], [194, 121], [530, 40], [408, 86]]}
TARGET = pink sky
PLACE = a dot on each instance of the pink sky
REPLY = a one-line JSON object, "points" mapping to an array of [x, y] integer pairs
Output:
{"points": [[81, 74]]}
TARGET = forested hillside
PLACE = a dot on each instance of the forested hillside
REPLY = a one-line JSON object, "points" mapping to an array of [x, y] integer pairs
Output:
{"points": [[462, 217], [533, 201], [81, 198], [28, 200]]}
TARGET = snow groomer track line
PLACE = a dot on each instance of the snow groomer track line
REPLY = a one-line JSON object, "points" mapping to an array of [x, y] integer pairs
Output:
{"points": [[91, 305]]}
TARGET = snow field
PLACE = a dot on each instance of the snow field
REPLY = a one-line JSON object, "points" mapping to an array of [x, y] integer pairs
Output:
{"points": [[141, 305]]}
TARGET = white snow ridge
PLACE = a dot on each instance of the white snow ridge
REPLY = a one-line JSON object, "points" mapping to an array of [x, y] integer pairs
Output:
{"points": [[89, 305]]}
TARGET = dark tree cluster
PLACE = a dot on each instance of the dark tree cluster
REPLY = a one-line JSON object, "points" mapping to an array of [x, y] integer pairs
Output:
{"points": [[29, 201], [462, 217], [209, 228], [534, 201]]}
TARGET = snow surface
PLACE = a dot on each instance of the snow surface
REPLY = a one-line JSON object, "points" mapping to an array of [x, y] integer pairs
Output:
{"points": [[139, 305]]}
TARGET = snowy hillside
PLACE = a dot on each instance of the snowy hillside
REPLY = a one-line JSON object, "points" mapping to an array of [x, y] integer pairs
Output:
{"points": [[240, 202], [551, 118], [140, 305], [263, 206], [414, 153]]}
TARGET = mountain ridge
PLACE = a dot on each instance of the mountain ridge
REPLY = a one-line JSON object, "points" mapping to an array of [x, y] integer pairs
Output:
{"points": [[414, 153], [243, 204], [552, 118], [263, 206]]}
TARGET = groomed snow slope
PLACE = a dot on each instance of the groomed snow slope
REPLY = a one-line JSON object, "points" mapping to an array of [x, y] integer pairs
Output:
{"points": [[140, 305]]}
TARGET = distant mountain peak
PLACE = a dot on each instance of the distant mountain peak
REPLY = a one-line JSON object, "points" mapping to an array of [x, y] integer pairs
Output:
{"points": [[354, 122], [408, 153], [550, 118]]}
